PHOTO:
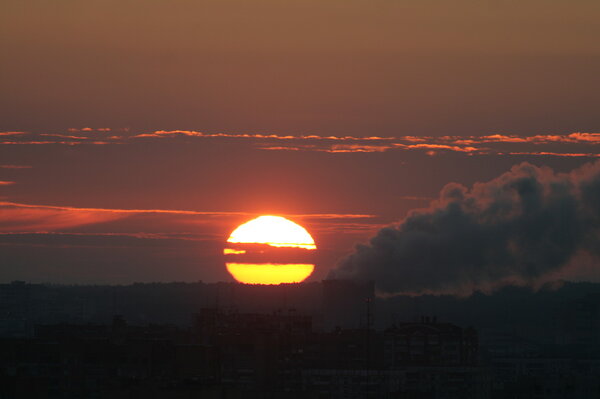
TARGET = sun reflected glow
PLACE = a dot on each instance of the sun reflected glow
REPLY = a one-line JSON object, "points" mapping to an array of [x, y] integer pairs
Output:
{"points": [[273, 230], [268, 273]]}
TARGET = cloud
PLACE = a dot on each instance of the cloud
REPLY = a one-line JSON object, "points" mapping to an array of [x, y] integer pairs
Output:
{"points": [[12, 133], [89, 129], [63, 142], [559, 154], [15, 167], [585, 137], [97, 240], [6, 183], [358, 148], [193, 133], [333, 149], [540, 138], [578, 144], [18, 217], [518, 228], [494, 144], [86, 136], [467, 149], [66, 136]]}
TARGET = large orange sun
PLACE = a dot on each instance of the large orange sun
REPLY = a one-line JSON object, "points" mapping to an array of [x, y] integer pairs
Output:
{"points": [[270, 250]]}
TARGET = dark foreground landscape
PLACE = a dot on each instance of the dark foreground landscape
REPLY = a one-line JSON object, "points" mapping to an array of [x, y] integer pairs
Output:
{"points": [[332, 339]]}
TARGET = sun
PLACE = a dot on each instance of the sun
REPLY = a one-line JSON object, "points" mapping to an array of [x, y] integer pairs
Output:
{"points": [[276, 231], [270, 250], [270, 274]]}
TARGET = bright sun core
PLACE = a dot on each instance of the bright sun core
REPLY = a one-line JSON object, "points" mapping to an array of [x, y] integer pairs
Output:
{"points": [[273, 230], [276, 232]]}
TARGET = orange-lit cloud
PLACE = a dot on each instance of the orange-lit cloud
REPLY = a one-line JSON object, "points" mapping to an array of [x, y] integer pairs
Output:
{"points": [[337, 148], [440, 147], [71, 137], [578, 144], [65, 136], [414, 139], [6, 183], [358, 148], [19, 217], [283, 148], [193, 133], [26, 217], [469, 145], [332, 215], [558, 154], [171, 211], [590, 138], [499, 138], [89, 129]]}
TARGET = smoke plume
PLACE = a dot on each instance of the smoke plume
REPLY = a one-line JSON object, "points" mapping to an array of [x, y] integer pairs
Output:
{"points": [[516, 228]]}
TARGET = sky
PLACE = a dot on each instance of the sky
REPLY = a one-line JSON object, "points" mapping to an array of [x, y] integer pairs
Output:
{"points": [[136, 135]]}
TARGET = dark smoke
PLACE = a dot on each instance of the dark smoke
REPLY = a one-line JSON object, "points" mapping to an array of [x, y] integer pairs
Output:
{"points": [[517, 228]]}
